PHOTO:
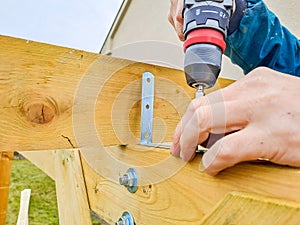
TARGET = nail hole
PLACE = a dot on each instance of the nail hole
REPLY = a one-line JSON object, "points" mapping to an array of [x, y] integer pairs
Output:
{"points": [[147, 106], [146, 135], [148, 80]]}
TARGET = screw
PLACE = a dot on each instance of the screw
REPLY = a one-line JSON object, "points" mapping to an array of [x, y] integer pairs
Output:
{"points": [[124, 180], [200, 91]]}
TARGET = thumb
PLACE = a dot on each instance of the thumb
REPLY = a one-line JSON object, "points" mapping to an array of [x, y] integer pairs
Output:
{"points": [[244, 145]]}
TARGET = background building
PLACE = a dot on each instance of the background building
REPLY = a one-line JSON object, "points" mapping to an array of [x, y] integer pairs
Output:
{"points": [[142, 32]]}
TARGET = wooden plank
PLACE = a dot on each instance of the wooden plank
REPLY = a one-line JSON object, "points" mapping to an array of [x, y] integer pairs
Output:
{"points": [[24, 207], [38, 83], [5, 172], [249, 209], [39, 89], [187, 196], [43, 160], [71, 193]]}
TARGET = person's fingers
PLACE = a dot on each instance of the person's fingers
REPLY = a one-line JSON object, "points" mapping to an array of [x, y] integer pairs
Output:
{"points": [[175, 147], [196, 103], [195, 131], [219, 118], [189, 139], [171, 13], [204, 117], [229, 112], [245, 145], [229, 116], [175, 17], [179, 20], [256, 118]]}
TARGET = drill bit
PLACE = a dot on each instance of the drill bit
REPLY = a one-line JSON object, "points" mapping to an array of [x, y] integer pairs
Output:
{"points": [[200, 91]]}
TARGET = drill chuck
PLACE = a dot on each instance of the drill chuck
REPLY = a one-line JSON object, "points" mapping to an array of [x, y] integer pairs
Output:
{"points": [[202, 65], [205, 28]]}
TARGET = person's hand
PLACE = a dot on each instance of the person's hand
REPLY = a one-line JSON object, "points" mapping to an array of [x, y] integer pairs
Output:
{"points": [[262, 108], [175, 17]]}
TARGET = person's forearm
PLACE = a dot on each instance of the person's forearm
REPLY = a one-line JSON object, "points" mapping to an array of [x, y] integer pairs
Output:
{"points": [[260, 40]]}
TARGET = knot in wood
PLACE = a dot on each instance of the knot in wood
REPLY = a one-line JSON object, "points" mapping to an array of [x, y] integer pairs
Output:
{"points": [[6, 156], [40, 111]]}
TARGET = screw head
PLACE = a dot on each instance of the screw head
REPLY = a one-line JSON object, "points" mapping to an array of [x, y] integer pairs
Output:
{"points": [[126, 219], [121, 222], [129, 180]]}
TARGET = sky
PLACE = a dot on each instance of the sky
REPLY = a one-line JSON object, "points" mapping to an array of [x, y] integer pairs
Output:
{"points": [[79, 24]]}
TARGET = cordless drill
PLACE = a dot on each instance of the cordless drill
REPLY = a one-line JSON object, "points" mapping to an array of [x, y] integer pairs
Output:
{"points": [[205, 29]]}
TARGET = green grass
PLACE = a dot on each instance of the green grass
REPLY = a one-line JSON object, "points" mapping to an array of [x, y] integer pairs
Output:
{"points": [[43, 205]]}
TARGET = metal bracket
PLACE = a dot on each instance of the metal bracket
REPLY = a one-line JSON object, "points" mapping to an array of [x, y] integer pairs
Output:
{"points": [[129, 179], [147, 108]]}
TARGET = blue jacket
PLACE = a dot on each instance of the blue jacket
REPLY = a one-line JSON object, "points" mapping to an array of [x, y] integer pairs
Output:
{"points": [[260, 40]]}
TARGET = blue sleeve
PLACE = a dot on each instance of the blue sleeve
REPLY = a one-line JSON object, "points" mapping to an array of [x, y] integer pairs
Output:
{"points": [[260, 40]]}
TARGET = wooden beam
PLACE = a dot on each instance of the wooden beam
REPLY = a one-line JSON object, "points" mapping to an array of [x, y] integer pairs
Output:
{"points": [[188, 195], [5, 172], [73, 205], [43, 160], [249, 209], [50, 96], [41, 86], [64, 167], [39, 83]]}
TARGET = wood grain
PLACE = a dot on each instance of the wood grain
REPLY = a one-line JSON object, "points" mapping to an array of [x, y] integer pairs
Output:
{"points": [[187, 196], [5, 172], [46, 91], [73, 207], [41, 87], [249, 209]]}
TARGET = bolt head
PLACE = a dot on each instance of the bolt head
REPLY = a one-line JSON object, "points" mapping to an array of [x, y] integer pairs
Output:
{"points": [[124, 180]]}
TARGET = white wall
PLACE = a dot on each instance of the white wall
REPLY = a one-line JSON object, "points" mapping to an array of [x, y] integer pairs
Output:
{"points": [[144, 34]]}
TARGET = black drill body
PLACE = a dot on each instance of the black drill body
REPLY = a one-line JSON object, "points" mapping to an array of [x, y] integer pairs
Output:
{"points": [[205, 28]]}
